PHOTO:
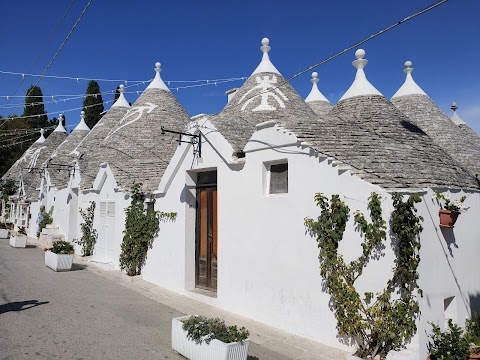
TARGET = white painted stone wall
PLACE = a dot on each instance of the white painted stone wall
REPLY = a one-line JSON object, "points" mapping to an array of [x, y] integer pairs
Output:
{"points": [[268, 268]]}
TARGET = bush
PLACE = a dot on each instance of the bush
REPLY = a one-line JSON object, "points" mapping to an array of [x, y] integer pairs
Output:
{"points": [[61, 247], [201, 328], [47, 219], [89, 234], [449, 344]]}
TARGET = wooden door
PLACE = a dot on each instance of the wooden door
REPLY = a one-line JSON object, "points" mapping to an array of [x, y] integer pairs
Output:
{"points": [[206, 239]]}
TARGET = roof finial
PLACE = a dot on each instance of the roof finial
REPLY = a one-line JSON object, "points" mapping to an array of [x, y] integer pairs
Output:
{"points": [[82, 125], [360, 63], [41, 139], [60, 127], [455, 117], [408, 67], [265, 65], [121, 101], [360, 86], [409, 87], [265, 48], [315, 94], [157, 82]]}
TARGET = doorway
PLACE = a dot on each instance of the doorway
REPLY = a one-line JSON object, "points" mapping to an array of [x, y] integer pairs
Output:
{"points": [[103, 250], [206, 256]]}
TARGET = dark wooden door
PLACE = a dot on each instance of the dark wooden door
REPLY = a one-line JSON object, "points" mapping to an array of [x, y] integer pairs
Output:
{"points": [[206, 238]]}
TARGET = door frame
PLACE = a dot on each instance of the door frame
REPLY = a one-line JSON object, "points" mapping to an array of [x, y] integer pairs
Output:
{"points": [[210, 188]]}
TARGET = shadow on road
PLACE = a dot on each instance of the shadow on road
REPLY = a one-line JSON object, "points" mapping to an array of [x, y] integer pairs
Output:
{"points": [[76, 267], [252, 357], [19, 305]]}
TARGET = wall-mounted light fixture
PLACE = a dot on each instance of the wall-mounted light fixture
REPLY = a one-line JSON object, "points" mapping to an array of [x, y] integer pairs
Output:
{"points": [[194, 139]]}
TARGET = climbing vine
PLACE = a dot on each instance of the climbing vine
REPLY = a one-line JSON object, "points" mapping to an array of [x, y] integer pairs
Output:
{"points": [[141, 227], [89, 234], [386, 320], [46, 219]]}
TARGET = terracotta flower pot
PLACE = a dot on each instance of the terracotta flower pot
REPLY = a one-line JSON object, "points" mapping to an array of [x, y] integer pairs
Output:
{"points": [[475, 356], [448, 218]]}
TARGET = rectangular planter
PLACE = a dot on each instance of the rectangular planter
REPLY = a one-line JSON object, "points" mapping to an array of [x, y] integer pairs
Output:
{"points": [[4, 234], [18, 241], [216, 350], [58, 262]]}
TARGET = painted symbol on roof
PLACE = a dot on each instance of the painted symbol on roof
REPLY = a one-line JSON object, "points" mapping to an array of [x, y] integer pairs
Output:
{"points": [[133, 115], [34, 158], [266, 89], [30, 157]]}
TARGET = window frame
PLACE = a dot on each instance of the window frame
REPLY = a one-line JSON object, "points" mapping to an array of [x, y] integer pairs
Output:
{"points": [[268, 176]]}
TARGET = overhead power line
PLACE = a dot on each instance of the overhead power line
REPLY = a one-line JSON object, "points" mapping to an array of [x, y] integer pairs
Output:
{"points": [[45, 46], [63, 44]]}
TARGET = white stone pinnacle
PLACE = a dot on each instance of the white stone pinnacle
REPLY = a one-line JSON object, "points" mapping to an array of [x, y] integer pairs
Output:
{"points": [[121, 101], [157, 82], [315, 94], [409, 87], [82, 126], [265, 65], [60, 127], [360, 86], [41, 139], [455, 118]]}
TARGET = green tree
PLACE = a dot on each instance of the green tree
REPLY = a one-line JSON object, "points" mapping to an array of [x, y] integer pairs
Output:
{"points": [[34, 106], [117, 94], [93, 104]]}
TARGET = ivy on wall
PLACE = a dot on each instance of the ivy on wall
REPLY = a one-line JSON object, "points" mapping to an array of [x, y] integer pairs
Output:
{"points": [[89, 234], [377, 322], [141, 227]]}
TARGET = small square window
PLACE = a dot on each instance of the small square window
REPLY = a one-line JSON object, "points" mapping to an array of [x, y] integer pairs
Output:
{"points": [[278, 178]]}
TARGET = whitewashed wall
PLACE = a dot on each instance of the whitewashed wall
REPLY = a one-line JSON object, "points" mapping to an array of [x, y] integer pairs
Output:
{"points": [[268, 268]]}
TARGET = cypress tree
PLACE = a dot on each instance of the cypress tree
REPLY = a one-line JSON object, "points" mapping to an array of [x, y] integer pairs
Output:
{"points": [[117, 94], [93, 105], [34, 106]]}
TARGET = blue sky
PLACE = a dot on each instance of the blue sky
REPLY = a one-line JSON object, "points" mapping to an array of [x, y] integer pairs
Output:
{"points": [[220, 39]]}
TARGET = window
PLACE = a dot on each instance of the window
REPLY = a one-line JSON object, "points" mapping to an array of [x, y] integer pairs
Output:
{"points": [[278, 178]]}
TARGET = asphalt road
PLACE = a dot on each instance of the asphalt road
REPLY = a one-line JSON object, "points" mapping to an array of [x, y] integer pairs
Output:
{"points": [[79, 315]]}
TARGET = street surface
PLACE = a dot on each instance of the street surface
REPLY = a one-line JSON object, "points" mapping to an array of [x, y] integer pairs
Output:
{"points": [[80, 315]]}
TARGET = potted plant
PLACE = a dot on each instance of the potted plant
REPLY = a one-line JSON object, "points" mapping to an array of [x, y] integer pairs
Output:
{"points": [[18, 239], [449, 210], [3, 231], [449, 344], [60, 256], [472, 335], [197, 337]]}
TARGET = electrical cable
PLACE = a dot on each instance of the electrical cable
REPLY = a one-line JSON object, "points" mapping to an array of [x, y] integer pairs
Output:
{"points": [[62, 45], [45, 46]]}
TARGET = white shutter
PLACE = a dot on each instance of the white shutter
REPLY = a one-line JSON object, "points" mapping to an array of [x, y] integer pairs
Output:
{"points": [[111, 209], [103, 209]]}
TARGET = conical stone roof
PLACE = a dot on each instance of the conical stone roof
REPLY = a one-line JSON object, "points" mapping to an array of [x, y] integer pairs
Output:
{"points": [[430, 118], [24, 162], [382, 146], [135, 149], [60, 175], [88, 152], [264, 96], [28, 166], [316, 100], [469, 133]]}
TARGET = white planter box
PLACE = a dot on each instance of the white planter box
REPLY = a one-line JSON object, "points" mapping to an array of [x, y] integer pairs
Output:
{"points": [[18, 241], [4, 234], [58, 262], [216, 350]]}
